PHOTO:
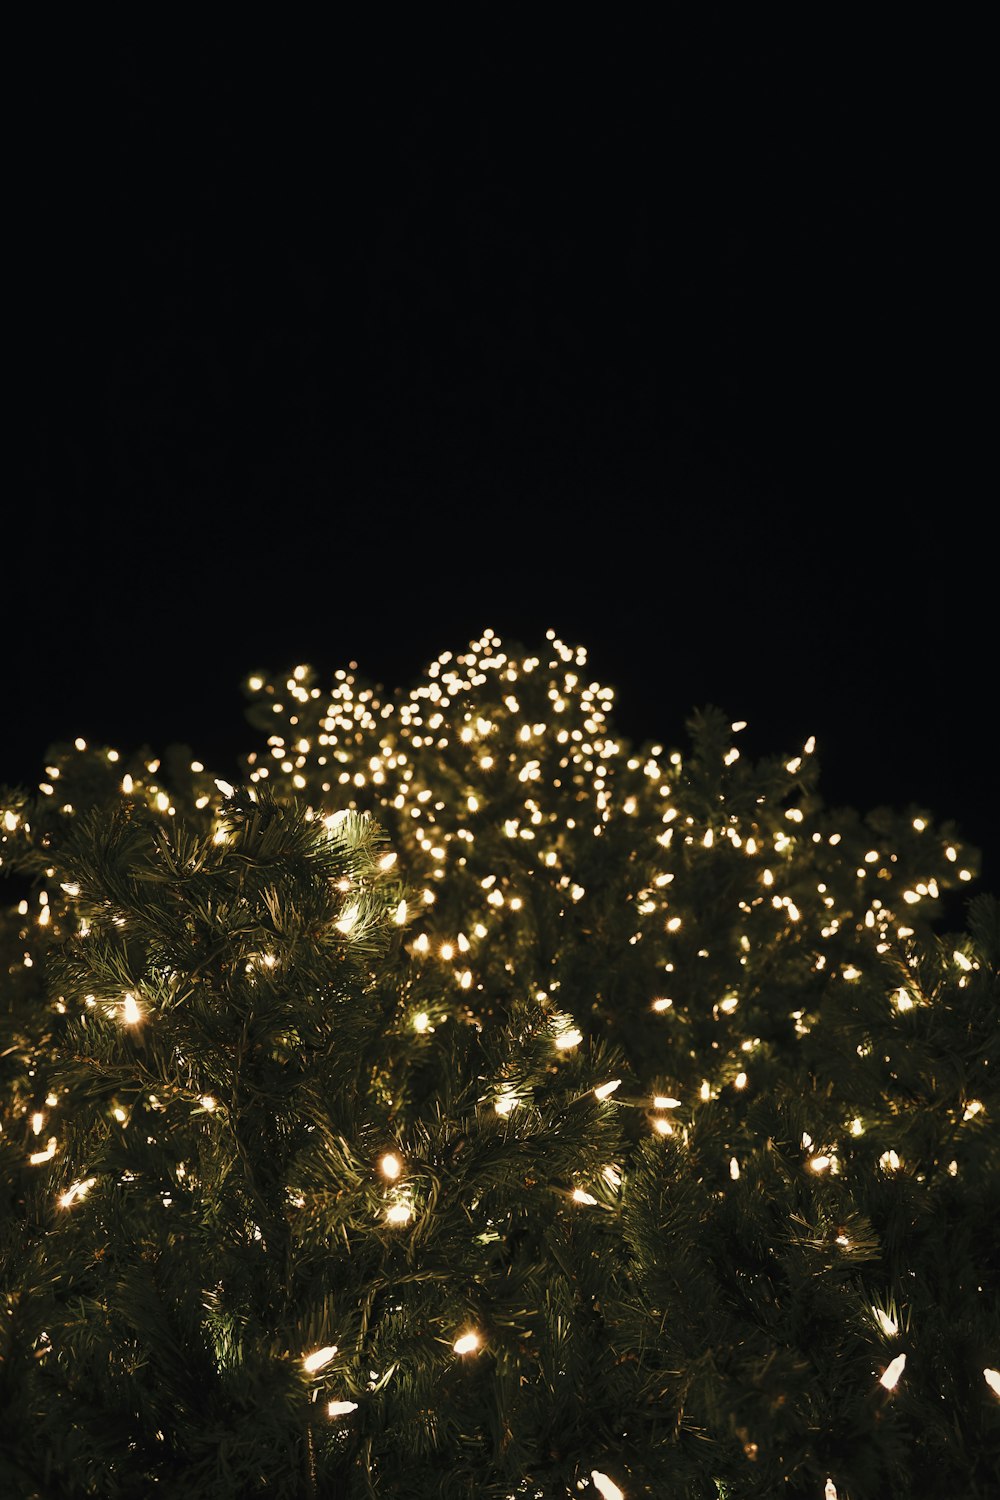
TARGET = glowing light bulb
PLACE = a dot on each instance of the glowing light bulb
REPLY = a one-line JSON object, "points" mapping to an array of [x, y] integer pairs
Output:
{"points": [[76, 1191], [829, 1490], [661, 1005], [888, 1325], [466, 1343], [387, 861], [421, 1021], [340, 1408], [606, 1089], [399, 916], [207, 1103], [734, 1168], [225, 788], [663, 1126], [390, 1166], [37, 1121], [398, 1213], [348, 920], [570, 1037], [579, 1196], [606, 1487], [318, 1359], [130, 1010], [38, 1157], [992, 1378], [890, 1375], [740, 1081], [119, 1114]]}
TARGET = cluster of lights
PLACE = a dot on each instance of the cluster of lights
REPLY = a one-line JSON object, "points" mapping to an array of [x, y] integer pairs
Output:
{"points": [[574, 781]]}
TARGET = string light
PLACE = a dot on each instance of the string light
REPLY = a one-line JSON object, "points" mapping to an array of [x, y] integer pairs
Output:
{"points": [[890, 1375], [992, 1378], [319, 1358], [357, 718], [76, 1191]]}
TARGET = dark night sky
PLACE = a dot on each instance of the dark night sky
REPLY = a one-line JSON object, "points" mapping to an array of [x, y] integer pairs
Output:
{"points": [[683, 364]]}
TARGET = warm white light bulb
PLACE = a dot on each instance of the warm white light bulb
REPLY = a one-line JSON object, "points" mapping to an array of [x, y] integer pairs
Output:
{"points": [[76, 1191], [992, 1378], [606, 1089], [390, 1166], [319, 1358], [466, 1343], [38, 1157], [890, 1375], [340, 1408], [570, 1038], [579, 1196], [606, 1487], [130, 1010], [399, 1213], [887, 1324]]}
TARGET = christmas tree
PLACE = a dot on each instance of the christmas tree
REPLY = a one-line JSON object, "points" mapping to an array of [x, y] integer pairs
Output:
{"points": [[467, 1103]]}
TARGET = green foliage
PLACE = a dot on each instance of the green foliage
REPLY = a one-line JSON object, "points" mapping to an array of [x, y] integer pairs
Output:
{"points": [[419, 937]]}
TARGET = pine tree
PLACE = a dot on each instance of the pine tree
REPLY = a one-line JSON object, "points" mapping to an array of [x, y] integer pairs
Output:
{"points": [[642, 1071]]}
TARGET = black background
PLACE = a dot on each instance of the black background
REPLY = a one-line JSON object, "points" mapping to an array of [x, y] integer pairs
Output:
{"points": [[679, 351]]}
